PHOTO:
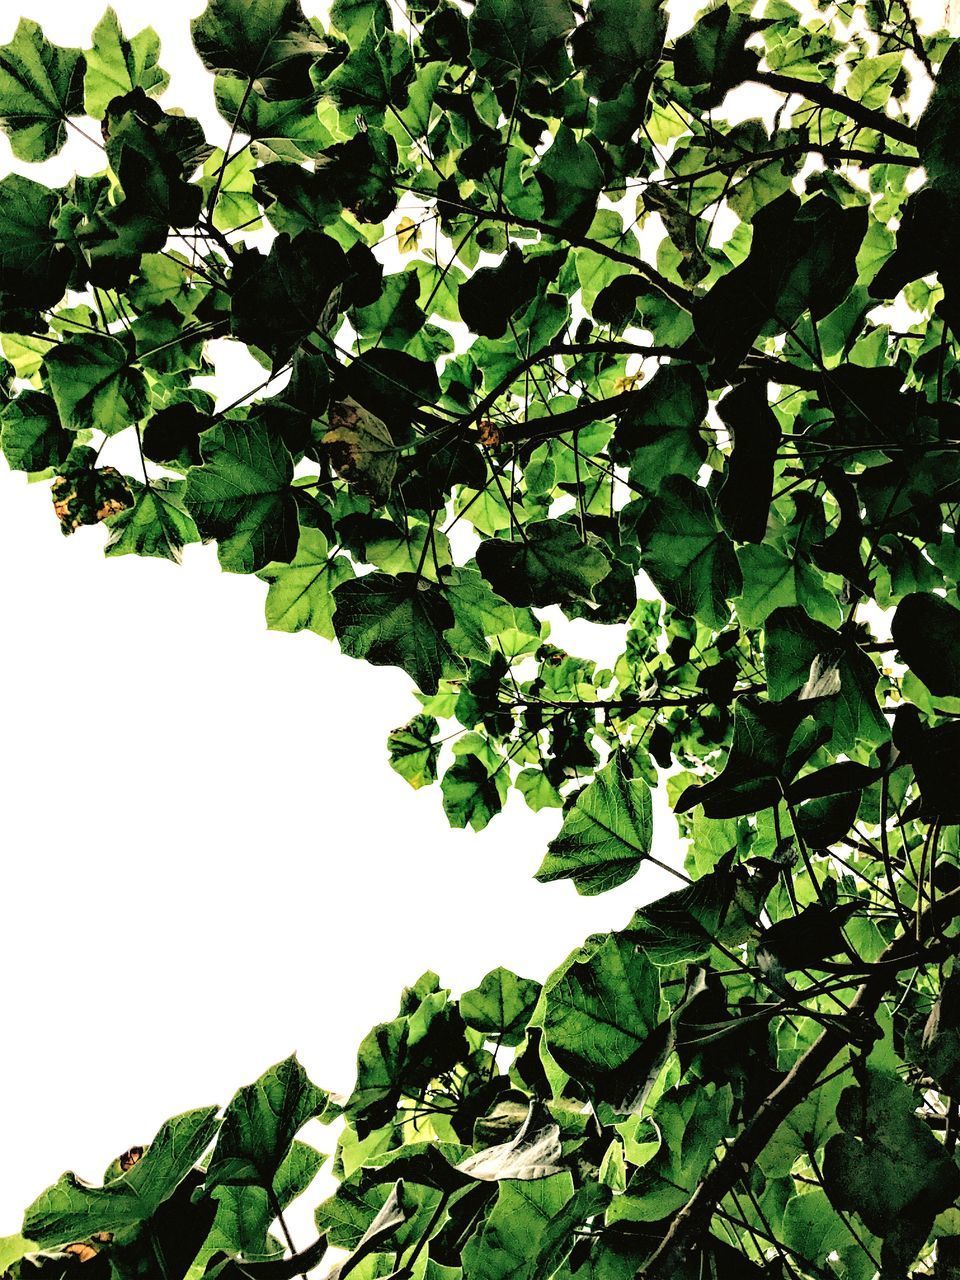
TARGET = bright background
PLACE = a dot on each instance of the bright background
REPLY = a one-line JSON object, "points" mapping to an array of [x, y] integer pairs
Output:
{"points": [[207, 861]]}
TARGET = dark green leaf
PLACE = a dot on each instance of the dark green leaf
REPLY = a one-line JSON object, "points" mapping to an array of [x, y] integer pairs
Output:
{"points": [[926, 629], [260, 1124], [95, 383], [548, 564], [395, 621], [242, 496]]}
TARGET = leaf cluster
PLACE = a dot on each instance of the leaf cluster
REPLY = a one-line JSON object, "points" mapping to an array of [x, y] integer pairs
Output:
{"points": [[545, 338]]}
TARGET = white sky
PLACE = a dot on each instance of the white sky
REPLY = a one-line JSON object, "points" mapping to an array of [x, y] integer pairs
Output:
{"points": [[207, 860]]}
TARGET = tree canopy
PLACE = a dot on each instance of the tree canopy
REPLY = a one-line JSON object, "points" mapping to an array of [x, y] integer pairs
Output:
{"points": [[547, 324]]}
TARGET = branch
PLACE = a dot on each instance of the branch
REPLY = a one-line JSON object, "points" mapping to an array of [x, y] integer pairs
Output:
{"points": [[561, 348], [824, 96], [674, 292], [828, 150], [585, 412], [691, 1224]]}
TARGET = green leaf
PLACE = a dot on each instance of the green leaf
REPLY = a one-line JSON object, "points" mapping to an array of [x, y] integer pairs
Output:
{"points": [[154, 154], [235, 206], [743, 501], [506, 1245], [361, 449], [480, 614], [245, 1213], [802, 258], [773, 580], [758, 764], [722, 907], [500, 1006], [937, 127], [605, 836], [260, 1124], [691, 1122], [287, 129], [34, 263], [571, 179], [30, 433], [374, 76], [690, 560], [871, 80], [814, 1231], [548, 564], [828, 671], [601, 1007], [888, 1167], [472, 793], [518, 39], [270, 43], [13, 1248], [115, 65], [660, 435], [157, 524], [352, 17], [714, 53], [926, 629], [72, 1210], [395, 621], [278, 300], [933, 1042], [242, 496], [41, 84], [619, 39], [301, 592], [95, 384], [414, 751], [489, 298]]}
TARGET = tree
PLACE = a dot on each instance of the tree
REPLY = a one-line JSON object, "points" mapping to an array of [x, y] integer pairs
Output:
{"points": [[632, 343]]}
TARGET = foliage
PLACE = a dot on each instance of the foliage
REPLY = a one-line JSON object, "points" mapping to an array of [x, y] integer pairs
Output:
{"points": [[542, 331]]}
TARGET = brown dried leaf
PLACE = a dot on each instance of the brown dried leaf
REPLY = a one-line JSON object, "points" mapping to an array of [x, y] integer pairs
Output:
{"points": [[85, 1252], [489, 433], [361, 449]]}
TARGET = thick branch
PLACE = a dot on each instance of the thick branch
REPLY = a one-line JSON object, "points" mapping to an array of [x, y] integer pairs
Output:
{"points": [[824, 96], [560, 348], [828, 150], [691, 1224]]}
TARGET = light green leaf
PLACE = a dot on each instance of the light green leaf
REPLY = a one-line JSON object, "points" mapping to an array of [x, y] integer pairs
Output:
{"points": [[41, 84], [116, 65], [301, 592], [157, 524], [73, 1210], [605, 836]]}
